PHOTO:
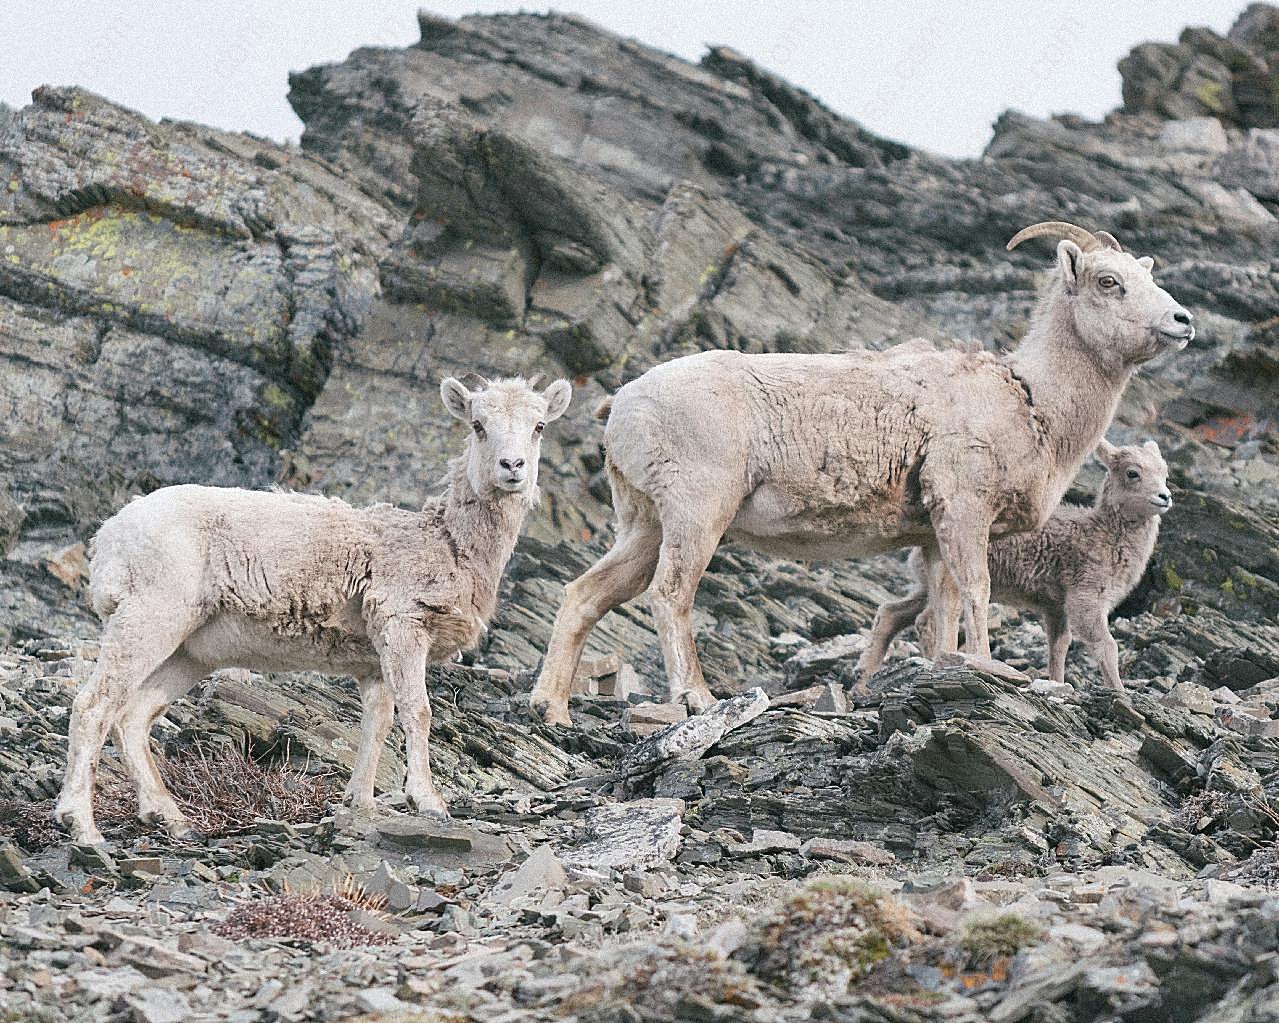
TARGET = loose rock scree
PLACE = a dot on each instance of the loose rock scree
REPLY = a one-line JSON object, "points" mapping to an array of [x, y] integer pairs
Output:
{"points": [[1072, 572], [857, 453], [191, 578]]}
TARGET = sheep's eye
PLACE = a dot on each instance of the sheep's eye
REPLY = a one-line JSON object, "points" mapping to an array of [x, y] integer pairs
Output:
{"points": [[538, 429], [1106, 281], [1133, 474], [478, 427]]}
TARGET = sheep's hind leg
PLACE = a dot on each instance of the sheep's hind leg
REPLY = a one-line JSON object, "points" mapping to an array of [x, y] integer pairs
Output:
{"points": [[404, 648], [890, 619], [377, 712], [1089, 624], [621, 575], [171, 681], [1058, 631], [135, 642], [687, 547]]}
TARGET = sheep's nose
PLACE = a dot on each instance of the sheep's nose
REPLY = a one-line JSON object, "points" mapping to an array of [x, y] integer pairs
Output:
{"points": [[1181, 316], [511, 464]]}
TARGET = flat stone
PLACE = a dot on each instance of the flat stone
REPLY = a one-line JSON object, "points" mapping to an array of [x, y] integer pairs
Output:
{"points": [[381, 1000], [93, 857], [689, 739], [141, 865], [1245, 724], [427, 833], [985, 665], [832, 700], [846, 850], [763, 840], [1191, 696], [541, 872], [1196, 134], [159, 1005], [14, 874], [623, 836], [1089, 939], [647, 718]]}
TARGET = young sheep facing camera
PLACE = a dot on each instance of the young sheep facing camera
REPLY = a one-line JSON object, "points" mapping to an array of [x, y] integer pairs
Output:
{"points": [[190, 579], [1072, 572]]}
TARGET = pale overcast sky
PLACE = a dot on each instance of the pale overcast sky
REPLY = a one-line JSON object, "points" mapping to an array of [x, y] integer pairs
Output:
{"points": [[932, 73]]}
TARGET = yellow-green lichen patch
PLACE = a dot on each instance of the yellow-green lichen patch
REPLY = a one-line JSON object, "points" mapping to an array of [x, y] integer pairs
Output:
{"points": [[156, 275]]}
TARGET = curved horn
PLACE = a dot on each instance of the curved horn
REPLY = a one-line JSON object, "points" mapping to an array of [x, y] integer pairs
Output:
{"points": [[474, 382], [1109, 240], [1086, 240], [536, 381]]}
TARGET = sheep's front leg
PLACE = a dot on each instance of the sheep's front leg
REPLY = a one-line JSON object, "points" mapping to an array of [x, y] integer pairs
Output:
{"points": [[1089, 624], [405, 646], [963, 539], [377, 711]]}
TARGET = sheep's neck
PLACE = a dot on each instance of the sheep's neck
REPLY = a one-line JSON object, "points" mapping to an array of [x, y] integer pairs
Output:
{"points": [[482, 531], [1133, 534], [1074, 395]]}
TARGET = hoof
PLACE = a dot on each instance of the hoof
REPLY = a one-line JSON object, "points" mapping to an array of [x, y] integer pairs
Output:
{"points": [[81, 832], [433, 807], [696, 701], [186, 835], [543, 708]]}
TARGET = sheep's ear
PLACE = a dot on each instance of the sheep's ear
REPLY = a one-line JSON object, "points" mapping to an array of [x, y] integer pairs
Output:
{"points": [[1106, 453], [1146, 262], [457, 399], [1070, 257], [557, 397], [1150, 445]]}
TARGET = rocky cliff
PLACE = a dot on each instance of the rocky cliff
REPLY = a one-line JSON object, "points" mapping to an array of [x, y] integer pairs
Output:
{"points": [[523, 193]]}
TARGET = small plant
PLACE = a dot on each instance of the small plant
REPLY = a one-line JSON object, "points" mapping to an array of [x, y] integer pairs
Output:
{"points": [[307, 916], [832, 932], [653, 982], [222, 791], [1198, 812], [985, 941]]}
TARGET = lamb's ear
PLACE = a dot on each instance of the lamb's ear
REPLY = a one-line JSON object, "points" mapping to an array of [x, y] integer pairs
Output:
{"points": [[1146, 262], [1150, 445], [1070, 257], [457, 399], [1106, 453], [557, 397]]}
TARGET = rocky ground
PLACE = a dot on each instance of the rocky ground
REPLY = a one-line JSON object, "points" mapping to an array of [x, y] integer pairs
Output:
{"points": [[519, 194]]}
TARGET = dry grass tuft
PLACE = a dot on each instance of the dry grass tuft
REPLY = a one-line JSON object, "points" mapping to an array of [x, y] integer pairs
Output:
{"points": [[1200, 811], [830, 933], [987, 940], [222, 791], [29, 824], [305, 916]]}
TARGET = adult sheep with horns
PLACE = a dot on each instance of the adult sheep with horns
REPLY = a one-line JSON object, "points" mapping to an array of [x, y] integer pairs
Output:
{"points": [[857, 453]]}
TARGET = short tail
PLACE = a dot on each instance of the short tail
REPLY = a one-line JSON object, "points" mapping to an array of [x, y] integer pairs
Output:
{"points": [[603, 409]]}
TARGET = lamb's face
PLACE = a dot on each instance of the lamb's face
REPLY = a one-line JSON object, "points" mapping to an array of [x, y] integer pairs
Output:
{"points": [[1119, 309], [1136, 480], [506, 419]]}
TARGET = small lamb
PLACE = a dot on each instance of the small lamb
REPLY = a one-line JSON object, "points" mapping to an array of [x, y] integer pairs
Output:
{"points": [[190, 579], [1072, 572]]}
